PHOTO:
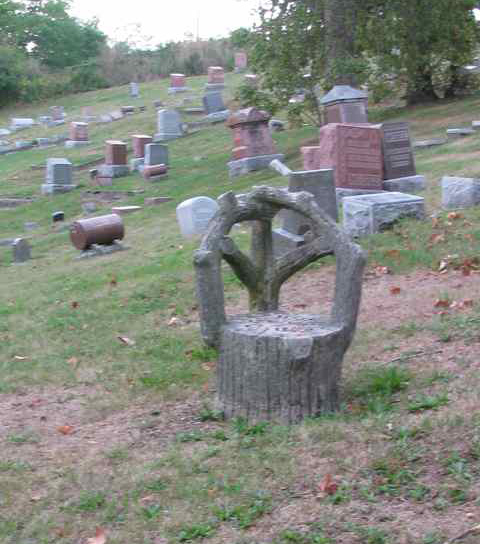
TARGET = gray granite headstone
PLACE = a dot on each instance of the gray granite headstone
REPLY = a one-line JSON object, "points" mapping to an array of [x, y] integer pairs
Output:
{"points": [[460, 192], [58, 176], [194, 214], [169, 125], [134, 92], [156, 154], [21, 250], [368, 214], [397, 151], [213, 102]]}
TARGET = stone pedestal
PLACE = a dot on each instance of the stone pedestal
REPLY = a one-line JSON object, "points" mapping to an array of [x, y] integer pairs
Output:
{"points": [[78, 135], [353, 151], [240, 167], [169, 125], [368, 214], [115, 160], [216, 79], [460, 192], [177, 84], [58, 177]]}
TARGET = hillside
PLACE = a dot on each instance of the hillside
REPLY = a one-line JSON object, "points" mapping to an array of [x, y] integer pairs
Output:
{"points": [[99, 433]]}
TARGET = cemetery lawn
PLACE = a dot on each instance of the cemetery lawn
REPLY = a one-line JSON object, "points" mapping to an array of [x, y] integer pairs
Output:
{"points": [[106, 390]]}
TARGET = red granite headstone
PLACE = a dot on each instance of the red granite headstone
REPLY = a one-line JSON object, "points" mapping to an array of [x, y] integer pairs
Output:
{"points": [[216, 74], [177, 80], [251, 135], [240, 60], [79, 132], [355, 153], [139, 142], [57, 113], [115, 152]]}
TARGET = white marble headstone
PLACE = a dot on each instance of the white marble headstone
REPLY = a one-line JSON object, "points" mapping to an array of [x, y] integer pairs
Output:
{"points": [[194, 214]]}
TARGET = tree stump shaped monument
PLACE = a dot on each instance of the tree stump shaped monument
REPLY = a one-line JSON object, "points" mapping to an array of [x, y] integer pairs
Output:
{"points": [[273, 365]]}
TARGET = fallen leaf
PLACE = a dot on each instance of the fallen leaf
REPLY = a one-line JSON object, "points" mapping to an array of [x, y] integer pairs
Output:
{"points": [[393, 253], [328, 485], [65, 429], [437, 238], [381, 270], [113, 282], [73, 361], [395, 290], [443, 265], [442, 303], [454, 215], [173, 322], [468, 303], [99, 538], [126, 340]]}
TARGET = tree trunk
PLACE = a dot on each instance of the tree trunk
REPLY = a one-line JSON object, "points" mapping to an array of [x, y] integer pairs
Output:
{"points": [[422, 90], [281, 367], [340, 23]]}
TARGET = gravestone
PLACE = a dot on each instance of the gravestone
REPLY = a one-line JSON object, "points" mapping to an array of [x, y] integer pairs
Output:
{"points": [[127, 110], [408, 184], [57, 113], [241, 61], [134, 91], [115, 160], [19, 123], [216, 79], [319, 183], [368, 214], [254, 148], [21, 250], [177, 84], [398, 157], [251, 80], [460, 192], [156, 154], [353, 151], [194, 215], [78, 135], [169, 125], [58, 216], [344, 104], [58, 177], [139, 142], [215, 107], [275, 125]]}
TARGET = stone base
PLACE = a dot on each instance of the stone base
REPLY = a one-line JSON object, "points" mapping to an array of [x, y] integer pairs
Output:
{"points": [[165, 136], [136, 164], [124, 210], [194, 111], [368, 214], [476, 125], [96, 250], [408, 184], [218, 116], [156, 200], [212, 87], [176, 90], [419, 144], [460, 192], [342, 193], [51, 188], [241, 167], [454, 133], [160, 177], [69, 144], [113, 170]]}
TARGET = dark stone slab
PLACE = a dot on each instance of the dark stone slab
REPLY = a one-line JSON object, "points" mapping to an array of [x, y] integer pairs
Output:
{"points": [[398, 157]]}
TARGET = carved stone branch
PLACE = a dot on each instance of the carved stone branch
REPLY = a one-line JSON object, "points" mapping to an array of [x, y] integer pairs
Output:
{"points": [[241, 264]]}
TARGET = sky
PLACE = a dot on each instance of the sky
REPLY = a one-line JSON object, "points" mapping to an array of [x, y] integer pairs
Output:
{"points": [[150, 22]]}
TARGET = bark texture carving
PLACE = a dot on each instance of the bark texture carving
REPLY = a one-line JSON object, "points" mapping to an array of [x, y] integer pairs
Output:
{"points": [[274, 365]]}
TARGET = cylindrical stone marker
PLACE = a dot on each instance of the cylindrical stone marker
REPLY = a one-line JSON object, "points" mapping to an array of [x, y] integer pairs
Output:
{"points": [[102, 230], [153, 171]]}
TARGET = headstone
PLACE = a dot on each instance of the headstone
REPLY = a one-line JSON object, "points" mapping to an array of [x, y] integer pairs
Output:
{"points": [[241, 61], [116, 115], [460, 192], [127, 110], [156, 154], [78, 135], [58, 177], [475, 125], [156, 200], [57, 113], [368, 214], [321, 184], [407, 184], [30, 225], [134, 91], [429, 143], [21, 250], [398, 157], [454, 133], [124, 210], [275, 125], [213, 102], [251, 79], [254, 148], [194, 214], [353, 151], [115, 160], [216, 79], [139, 142], [177, 84], [89, 207], [157, 104], [19, 123], [58, 216], [169, 125], [105, 118], [344, 104]]}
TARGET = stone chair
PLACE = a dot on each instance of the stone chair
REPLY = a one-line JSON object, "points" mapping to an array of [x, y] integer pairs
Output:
{"points": [[274, 365]]}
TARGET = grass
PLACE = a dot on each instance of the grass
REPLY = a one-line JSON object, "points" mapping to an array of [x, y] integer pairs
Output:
{"points": [[151, 459]]}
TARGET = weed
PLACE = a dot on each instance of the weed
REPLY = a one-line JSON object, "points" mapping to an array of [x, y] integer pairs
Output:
{"points": [[156, 485], [28, 437], [207, 414], [370, 535], [244, 515], [191, 436], [14, 466], [458, 467], [426, 402], [219, 435], [241, 426], [90, 501], [457, 495], [152, 511], [433, 538], [290, 536], [197, 530]]}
